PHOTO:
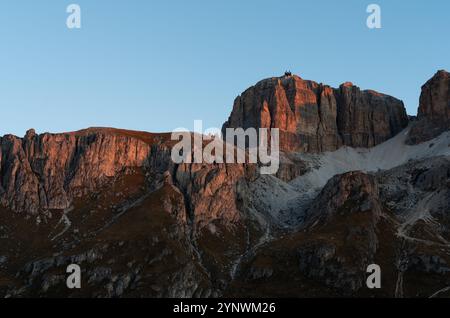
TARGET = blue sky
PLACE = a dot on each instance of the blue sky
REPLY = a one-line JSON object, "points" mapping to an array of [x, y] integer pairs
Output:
{"points": [[159, 65]]}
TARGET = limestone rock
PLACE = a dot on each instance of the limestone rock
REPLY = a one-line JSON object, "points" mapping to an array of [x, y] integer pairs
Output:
{"points": [[42, 172], [434, 109], [314, 117], [353, 192]]}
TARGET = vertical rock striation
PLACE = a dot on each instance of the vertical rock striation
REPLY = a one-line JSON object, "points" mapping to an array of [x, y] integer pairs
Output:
{"points": [[314, 117], [42, 172], [434, 109]]}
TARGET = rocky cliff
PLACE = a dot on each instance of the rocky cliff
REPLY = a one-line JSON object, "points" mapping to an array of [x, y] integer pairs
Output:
{"points": [[434, 109], [44, 172], [139, 225], [40, 173], [85, 196], [314, 117]]}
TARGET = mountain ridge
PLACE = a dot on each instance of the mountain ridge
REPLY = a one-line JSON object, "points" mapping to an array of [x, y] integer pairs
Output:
{"points": [[315, 117], [139, 225]]}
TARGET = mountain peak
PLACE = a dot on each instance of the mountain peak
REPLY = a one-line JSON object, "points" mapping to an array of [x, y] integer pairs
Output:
{"points": [[442, 72], [347, 84], [434, 109], [314, 117], [30, 133]]}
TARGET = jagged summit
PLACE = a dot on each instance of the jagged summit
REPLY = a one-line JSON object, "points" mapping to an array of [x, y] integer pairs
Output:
{"points": [[314, 117], [434, 109], [347, 84], [435, 98], [147, 137], [30, 133], [113, 202]]}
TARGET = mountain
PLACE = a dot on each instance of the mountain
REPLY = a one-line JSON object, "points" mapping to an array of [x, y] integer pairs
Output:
{"points": [[314, 117], [434, 109], [359, 184]]}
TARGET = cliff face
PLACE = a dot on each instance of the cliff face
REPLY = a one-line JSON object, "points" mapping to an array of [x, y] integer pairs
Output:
{"points": [[43, 172], [435, 98], [314, 117], [434, 109], [39, 173], [345, 194], [118, 195], [140, 225], [211, 191], [347, 215]]}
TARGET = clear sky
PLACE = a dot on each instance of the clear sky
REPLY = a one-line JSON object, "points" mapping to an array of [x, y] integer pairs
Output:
{"points": [[158, 65]]}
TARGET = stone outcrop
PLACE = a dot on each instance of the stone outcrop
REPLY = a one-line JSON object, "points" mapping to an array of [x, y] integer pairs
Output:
{"points": [[122, 188], [353, 192], [434, 109], [44, 172], [346, 214], [314, 117], [435, 98], [141, 225], [210, 190]]}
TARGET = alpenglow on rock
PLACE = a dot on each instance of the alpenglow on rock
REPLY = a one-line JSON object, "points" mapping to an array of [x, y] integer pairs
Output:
{"points": [[46, 171], [315, 117], [434, 109]]}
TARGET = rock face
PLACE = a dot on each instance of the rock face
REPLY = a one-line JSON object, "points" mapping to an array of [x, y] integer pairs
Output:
{"points": [[139, 225], [397, 219], [435, 98], [353, 192], [434, 109], [114, 192], [351, 208], [48, 172], [43, 172], [314, 117]]}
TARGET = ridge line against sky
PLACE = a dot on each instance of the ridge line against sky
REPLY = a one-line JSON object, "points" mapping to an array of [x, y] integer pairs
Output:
{"points": [[155, 66]]}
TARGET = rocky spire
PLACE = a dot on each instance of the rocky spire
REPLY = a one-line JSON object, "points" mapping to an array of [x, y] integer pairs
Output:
{"points": [[434, 109]]}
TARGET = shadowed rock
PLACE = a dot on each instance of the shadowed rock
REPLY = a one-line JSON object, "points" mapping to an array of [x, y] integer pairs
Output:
{"points": [[434, 109]]}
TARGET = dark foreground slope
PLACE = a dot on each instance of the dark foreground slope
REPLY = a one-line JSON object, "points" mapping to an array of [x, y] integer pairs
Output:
{"points": [[398, 219]]}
